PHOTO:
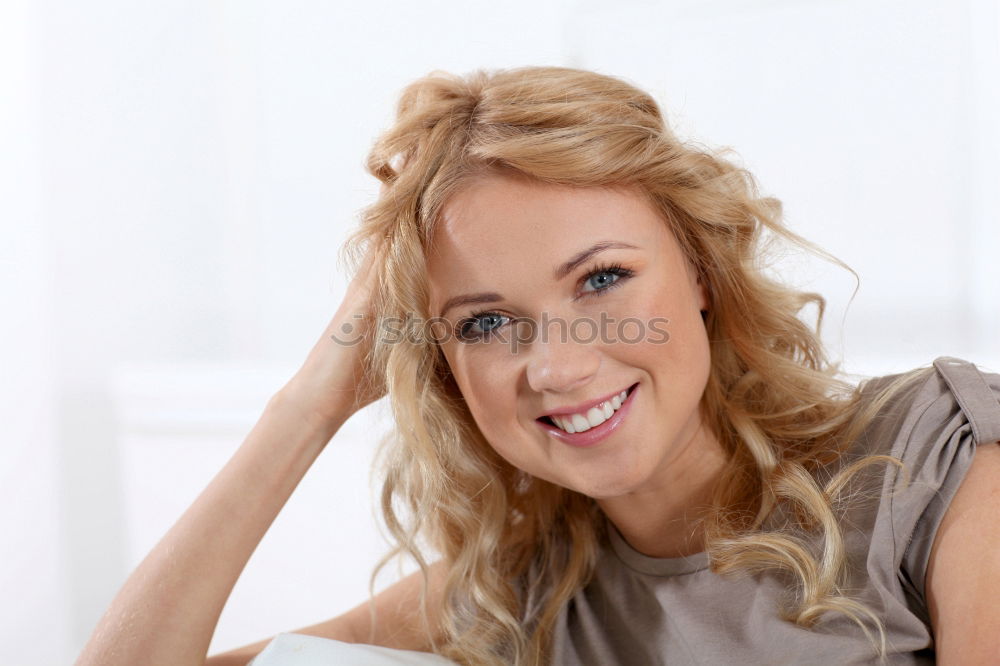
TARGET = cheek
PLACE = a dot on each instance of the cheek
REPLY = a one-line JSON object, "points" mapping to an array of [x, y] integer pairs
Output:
{"points": [[488, 389], [487, 403], [495, 415], [671, 337]]}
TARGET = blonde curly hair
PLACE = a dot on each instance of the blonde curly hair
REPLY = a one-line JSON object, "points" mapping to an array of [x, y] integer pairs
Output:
{"points": [[774, 401]]}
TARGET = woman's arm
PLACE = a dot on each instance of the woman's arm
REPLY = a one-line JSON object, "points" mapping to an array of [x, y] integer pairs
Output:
{"points": [[167, 610], [399, 624], [963, 575]]}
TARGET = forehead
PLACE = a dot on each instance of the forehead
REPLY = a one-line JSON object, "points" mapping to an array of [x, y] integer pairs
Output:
{"points": [[502, 223]]}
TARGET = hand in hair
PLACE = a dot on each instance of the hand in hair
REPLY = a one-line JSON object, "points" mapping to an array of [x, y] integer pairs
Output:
{"points": [[334, 382]]}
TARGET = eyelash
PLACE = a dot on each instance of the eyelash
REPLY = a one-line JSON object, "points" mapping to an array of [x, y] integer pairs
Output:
{"points": [[613, 269]]}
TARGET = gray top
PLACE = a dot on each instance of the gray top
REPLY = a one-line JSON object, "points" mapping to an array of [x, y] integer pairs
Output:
{"points": [[645, 610]]}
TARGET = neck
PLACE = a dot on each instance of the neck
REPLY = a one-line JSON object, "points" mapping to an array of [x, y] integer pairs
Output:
{"points": [[664, 518]]}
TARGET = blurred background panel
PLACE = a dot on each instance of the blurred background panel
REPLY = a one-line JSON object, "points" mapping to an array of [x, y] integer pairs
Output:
{"points": [[176, 179]]}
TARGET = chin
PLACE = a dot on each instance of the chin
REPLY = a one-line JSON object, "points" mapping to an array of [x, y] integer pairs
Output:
{"points": [[608, 486]]}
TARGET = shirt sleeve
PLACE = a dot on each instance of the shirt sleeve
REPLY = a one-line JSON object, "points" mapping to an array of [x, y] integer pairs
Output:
{"points": [[955, 411]]}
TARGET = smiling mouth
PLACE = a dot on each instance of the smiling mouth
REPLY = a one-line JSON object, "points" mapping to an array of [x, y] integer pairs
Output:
{"points": [[580, 422]]}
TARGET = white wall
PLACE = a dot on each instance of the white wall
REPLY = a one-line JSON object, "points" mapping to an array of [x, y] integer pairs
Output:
{"points": [[32, 547], [176, 178]]}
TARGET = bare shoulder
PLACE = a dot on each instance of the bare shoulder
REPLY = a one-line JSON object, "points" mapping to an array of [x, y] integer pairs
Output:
{"points": [[399, 620], [963, 575]]}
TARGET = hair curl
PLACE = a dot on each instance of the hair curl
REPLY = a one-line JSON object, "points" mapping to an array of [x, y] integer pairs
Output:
{"points": [[774, 401]]}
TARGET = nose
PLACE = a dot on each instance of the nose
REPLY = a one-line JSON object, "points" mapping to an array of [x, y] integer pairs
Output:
{"points": [[561, 366]]}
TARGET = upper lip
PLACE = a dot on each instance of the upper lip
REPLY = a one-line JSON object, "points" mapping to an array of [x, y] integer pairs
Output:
{"points": [[582, 407]]}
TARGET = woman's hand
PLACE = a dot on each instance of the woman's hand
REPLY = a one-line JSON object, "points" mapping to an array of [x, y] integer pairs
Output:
{"points": [[333, 383]]}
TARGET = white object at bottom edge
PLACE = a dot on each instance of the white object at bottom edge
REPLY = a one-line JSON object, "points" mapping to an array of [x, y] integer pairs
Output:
{"points": [[301, 650]]}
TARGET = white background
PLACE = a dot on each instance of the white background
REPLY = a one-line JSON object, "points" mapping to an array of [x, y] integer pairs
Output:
{"points": [[176, 179]]}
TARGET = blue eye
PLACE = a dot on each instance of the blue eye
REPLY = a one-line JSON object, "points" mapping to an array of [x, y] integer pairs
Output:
{"points": [[603, 279], [488, 322]]}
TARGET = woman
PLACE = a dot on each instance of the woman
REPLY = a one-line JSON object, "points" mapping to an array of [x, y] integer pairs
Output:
{"points": [[612, 427]]}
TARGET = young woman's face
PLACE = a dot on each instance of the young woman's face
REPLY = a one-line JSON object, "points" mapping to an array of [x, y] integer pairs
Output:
{"points": [[627, 315]]}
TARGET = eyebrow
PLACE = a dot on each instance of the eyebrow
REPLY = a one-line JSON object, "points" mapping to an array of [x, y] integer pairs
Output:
{"points": [[559, 273]]}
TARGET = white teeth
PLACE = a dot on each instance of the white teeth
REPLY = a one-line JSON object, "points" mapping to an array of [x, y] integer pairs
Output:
{"points": [[564, 423], [594, 417]]}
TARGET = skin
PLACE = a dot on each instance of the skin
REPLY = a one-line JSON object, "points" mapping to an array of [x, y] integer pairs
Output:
{"points": [[503, 234]]}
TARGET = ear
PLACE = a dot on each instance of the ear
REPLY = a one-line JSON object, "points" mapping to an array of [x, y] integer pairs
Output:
{"points": [[704, 298]]}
